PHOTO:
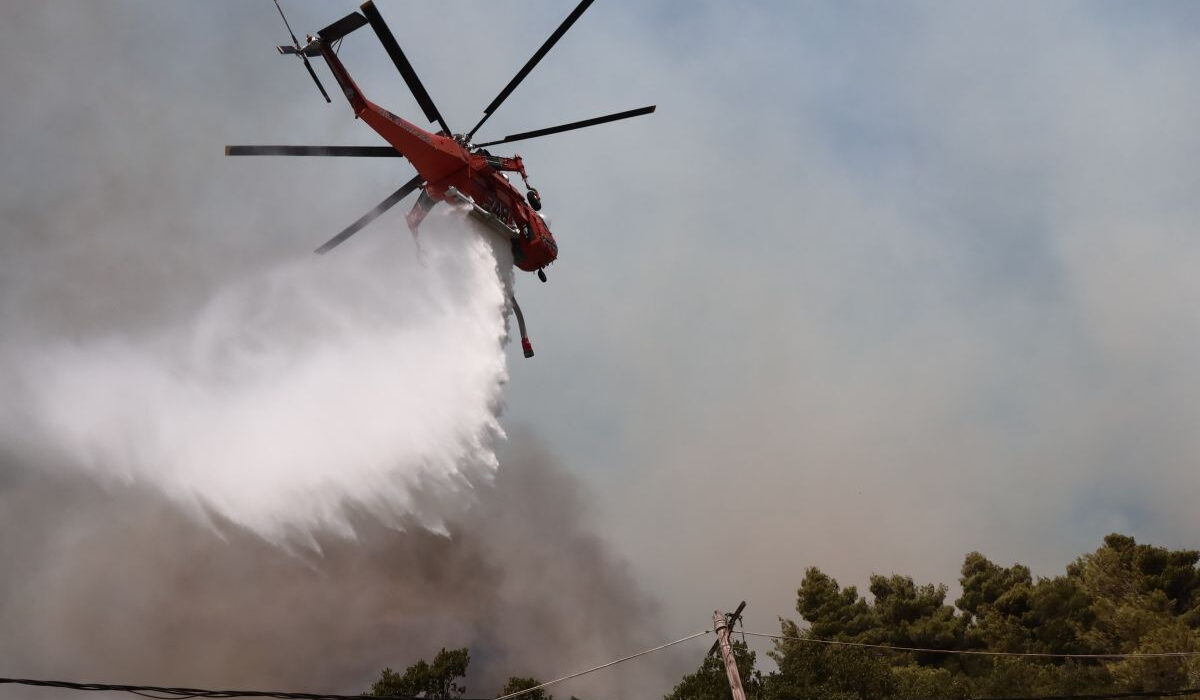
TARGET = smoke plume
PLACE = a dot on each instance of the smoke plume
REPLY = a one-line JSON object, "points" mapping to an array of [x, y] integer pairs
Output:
{"points": [[119, 585], [295, 485]]}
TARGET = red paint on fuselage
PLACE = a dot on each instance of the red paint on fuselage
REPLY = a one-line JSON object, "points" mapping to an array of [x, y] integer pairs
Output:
{"points": [[444, 163]]}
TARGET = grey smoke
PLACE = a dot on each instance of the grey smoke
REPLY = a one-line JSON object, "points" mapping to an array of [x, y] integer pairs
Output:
{"points": [[116, 584]]}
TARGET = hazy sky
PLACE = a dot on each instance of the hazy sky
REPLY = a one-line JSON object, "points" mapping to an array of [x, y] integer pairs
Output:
{"points": [[877, 285]]}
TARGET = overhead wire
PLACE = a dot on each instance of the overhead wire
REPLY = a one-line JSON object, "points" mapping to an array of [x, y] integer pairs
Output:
{"points": [[169, 693], [176, 693], [603, 666], [1108, 696], [975, 652], [1123, 695], [172, 693]]}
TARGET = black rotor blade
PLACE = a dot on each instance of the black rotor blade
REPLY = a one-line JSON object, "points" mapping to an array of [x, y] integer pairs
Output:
{"points": [[341, 28], [406, 70], [569, 127], [300, 53], [529, 65], [287, 24], [355, 151], [316, 80], [370, 216], [311, 52]]}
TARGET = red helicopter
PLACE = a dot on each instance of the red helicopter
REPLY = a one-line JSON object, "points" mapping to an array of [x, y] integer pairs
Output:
{"points": [[450, 167]]}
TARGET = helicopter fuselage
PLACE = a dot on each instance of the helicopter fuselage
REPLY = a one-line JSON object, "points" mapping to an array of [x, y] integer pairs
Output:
{"points": [[449, 167]]}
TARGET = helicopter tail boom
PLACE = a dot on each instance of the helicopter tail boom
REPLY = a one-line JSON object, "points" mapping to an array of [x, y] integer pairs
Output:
{"points": [[324, 44]]}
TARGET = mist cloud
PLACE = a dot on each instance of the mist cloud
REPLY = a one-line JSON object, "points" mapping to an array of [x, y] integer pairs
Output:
{"points": [[293, 392]]}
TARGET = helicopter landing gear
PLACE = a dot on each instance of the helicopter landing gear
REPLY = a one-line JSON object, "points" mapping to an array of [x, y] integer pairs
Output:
{"points": [[535, 200]]}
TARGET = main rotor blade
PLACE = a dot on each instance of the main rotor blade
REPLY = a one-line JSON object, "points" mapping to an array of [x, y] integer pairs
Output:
{"points": [[355, 151], [512, 84], [406, 70], [370, 216], [569, 127]]}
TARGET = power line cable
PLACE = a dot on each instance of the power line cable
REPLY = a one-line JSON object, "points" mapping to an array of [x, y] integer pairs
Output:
{"points": [[1090, 696], [602, 666], [977, 652], [1110, 696], [173, 693], [166, 693]]}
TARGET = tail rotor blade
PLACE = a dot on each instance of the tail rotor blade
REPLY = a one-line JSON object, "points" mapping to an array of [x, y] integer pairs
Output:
{"points": [[370, 216], [570, 127], [406, 70], [300, 53], [287, 24], [529, 65], [316, 80]]}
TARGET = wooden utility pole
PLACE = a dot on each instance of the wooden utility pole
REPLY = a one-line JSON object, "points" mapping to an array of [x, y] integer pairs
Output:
{"points": [[721, 626]]}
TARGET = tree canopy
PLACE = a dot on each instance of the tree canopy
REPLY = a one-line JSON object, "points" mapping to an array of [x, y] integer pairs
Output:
{"points": [[441, 679], [1122, 598], [438, 680]]}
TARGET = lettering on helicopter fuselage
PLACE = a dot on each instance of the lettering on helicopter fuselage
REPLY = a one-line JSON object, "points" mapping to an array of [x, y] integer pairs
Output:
{"points": [[497, 207], [409, 128]]}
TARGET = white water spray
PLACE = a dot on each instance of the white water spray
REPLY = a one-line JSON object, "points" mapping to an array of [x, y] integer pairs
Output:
{"points": [[345, 380]]}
